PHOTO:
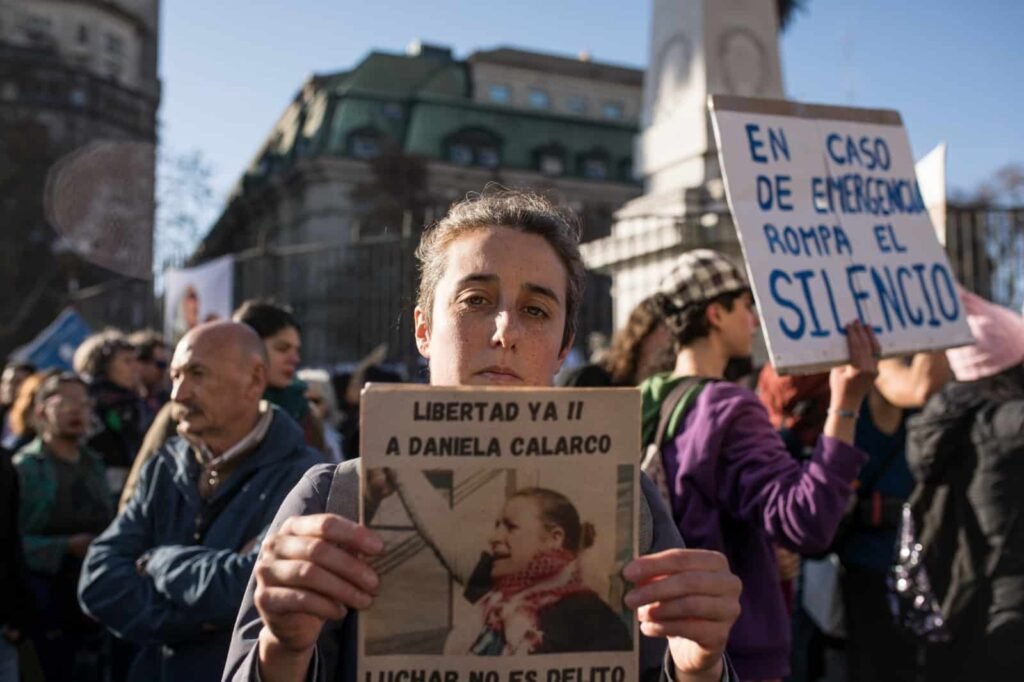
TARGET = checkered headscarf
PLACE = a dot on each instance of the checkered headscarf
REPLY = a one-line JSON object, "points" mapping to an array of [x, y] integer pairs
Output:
{"points": [[699, 276]]}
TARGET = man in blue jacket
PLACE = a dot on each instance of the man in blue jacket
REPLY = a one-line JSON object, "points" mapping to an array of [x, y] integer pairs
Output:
{"points": [[169, 573]]}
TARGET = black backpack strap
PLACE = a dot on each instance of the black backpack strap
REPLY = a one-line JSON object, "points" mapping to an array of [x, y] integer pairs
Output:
{"points": [[677, 403], [673, 409]]}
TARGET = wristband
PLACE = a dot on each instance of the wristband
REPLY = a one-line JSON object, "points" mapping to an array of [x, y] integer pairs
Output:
{"points": [[844, 414]]}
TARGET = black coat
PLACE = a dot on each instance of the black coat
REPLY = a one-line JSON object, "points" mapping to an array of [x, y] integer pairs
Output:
{"points": [[15, 593], [972, 433]]}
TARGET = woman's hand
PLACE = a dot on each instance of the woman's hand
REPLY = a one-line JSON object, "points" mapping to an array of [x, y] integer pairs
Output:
{"points": [[691, 597], [310, 571], [851, 382]]}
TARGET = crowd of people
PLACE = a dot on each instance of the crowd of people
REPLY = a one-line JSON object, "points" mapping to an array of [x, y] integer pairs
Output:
{"points": [[166, 511]]}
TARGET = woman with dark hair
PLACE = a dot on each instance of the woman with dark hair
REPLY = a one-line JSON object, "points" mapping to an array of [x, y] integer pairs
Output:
{"points": [[527, 583], [109, 363], [501, 283], [282, 337], [642, 348]]}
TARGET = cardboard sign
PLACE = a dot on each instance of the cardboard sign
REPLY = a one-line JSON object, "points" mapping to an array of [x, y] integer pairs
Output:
{"points": [[506, 514], [834, 228]]}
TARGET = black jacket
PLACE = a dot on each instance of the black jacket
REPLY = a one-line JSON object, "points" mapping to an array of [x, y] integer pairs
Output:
{"points": [[970, 436], [15, 592]]}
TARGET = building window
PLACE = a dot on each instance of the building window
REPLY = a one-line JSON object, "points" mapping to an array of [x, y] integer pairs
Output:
{"points": [[391, 111], [595, 169], [612, 111], [550, 164], [115, 46], [539, 99], [576, 105], [77, 97], [550, 159], [364, 147], [460, 154], [37, 29], [487, 157], [499, 94], [473, 146], [365, 143], [595, 165]]}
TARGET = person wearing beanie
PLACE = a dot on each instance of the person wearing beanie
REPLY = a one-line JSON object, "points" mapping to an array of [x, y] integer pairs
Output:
{"points": [[969, 441], [731, 484]]}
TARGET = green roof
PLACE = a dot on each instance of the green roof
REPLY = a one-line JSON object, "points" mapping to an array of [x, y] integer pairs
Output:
{"points": [[415, 104]]}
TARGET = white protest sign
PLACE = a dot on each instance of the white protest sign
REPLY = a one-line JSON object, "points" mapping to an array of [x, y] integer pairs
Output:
{"points": [[199, 294], [834, 228], [507, 516]]}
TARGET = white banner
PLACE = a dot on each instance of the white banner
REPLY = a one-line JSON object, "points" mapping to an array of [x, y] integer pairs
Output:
{"points": [[196, 295], [507, 517], [931, 176], [834, 228]]}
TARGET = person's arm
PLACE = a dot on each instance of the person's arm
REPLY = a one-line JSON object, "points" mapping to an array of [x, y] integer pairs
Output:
{"points": [[672, 657], [849, 384], [799, 505], [208, 583], [910, 386], [113, 591], [309, 572], [433, 518]]}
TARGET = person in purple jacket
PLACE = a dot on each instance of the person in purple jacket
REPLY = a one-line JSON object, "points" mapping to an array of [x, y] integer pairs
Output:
{"points": [[732, 485]]}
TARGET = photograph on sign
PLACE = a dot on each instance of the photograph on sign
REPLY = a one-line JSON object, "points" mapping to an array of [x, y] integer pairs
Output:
{"points": [[507, 517], [834, 228]]}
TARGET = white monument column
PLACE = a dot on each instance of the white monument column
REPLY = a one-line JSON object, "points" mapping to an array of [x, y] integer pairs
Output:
{"points": [[698, 47]]}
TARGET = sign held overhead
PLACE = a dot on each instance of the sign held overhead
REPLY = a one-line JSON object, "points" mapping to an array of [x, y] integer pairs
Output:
{"points": [[834, 228]]}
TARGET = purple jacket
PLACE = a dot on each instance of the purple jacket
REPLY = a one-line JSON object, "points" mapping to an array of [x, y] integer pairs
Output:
{"points": [[736, 489]]}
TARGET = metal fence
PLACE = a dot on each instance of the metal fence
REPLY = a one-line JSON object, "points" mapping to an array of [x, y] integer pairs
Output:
{"points": [[986, 250], [351, 298]]}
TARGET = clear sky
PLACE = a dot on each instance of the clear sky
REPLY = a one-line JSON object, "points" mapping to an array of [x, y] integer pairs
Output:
{"points": [[953, 69]]}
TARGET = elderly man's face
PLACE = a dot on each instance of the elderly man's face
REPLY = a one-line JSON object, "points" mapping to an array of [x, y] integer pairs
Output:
{"points": [[214, 386]]}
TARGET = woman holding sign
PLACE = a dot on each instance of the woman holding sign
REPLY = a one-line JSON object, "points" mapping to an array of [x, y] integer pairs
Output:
{"points": [[501, 283]]}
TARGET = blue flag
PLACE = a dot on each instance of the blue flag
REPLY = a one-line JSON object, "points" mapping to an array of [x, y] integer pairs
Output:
{"points": [[54, 347]]}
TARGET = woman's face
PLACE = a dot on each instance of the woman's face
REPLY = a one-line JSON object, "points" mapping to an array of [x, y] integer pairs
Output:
{"points": [[283, 351], [498, 314], [124, 369], [519, 534]]}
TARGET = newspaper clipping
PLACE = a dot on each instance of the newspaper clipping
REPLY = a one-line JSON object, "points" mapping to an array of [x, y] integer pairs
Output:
{"points": [[507, 516]]}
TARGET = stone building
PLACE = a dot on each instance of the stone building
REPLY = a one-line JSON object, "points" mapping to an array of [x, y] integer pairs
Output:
{"points": [[78, 97], [330, 209], [698, 47]]}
